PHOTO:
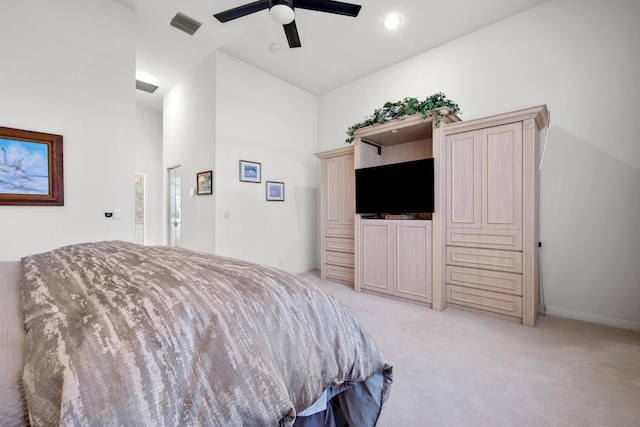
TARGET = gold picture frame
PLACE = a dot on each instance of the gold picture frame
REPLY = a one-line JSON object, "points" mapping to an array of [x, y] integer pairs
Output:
{"points": [[31, 168]]}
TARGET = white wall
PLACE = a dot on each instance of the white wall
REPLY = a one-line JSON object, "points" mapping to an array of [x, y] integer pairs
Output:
{"points": [[148, 145], [190, 140], [579, 58], [263, 119], [226, 111], [67, 67]]}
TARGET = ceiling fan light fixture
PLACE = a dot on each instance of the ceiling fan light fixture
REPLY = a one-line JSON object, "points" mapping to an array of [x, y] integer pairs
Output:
{"points": [[282, 13]]}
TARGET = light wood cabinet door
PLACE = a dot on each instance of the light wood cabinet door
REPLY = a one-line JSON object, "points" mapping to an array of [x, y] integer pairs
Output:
{"points": [[413, 260], [376, 256], [339, 183], [333, 184], [349, 190], [502, 177], [464, 180]]}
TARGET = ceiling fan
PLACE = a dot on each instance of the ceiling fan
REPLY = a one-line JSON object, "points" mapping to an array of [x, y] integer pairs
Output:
{"points": [[282, 11]]}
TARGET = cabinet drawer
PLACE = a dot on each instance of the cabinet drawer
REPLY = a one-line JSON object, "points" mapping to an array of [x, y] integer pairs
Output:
{"points": [[339, 245], [339, 258], [493, 239], [339, 274], [344, 231], [510, 305], [490, 259], [497, 281]]}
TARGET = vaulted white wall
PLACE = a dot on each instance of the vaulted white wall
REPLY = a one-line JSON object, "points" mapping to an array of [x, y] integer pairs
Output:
{"points": [[189, 140], [263, 119], [67, 67], [580, 59], [226, 111], [148, 145]]}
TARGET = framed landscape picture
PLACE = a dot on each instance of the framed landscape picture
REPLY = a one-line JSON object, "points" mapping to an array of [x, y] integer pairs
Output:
{"points": [[275, 191], [30, 168], [250, 171]]}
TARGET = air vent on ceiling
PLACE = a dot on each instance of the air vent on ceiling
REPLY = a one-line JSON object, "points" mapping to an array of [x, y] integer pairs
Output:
{"points": [[146, 87], [184, 23]]}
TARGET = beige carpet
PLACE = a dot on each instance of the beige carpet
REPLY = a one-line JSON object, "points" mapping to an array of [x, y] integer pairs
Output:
{"points": [[456, 368]]}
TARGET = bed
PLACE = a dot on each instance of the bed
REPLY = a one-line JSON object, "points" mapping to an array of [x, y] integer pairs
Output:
{"points": [[121, 334]]}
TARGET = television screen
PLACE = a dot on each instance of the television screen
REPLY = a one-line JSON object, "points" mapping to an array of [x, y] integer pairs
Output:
{"points": [[400, 188]]}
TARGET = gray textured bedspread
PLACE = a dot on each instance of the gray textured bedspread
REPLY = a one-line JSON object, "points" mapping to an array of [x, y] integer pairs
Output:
{"points": [[121, 334]]}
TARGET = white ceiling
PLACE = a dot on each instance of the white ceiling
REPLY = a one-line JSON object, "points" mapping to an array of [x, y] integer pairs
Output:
{"points": [[335, 49]]}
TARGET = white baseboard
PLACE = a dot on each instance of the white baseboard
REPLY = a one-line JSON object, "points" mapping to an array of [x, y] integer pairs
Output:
{"points": [[594, 318]]}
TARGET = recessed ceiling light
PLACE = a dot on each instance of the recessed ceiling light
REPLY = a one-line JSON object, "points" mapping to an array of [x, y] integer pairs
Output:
{"points": [[275, 47], [392, 21]]}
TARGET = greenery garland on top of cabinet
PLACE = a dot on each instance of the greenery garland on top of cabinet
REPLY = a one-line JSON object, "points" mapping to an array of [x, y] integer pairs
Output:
{"points": [[429, 107]]}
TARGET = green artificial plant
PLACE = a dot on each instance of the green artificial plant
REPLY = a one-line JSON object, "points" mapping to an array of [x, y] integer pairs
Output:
{"points": [[430, 108]]}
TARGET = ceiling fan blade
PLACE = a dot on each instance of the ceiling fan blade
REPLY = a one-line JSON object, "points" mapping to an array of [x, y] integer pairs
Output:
{"points": [[329, 6], [240, 11], [291, 31]]}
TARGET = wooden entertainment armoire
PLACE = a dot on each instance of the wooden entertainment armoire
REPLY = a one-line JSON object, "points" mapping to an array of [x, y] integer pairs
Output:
{"points": [[478, 250]]}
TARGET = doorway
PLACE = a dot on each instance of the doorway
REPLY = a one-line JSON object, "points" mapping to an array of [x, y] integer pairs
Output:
{"points": [[140, 207], [175, 206]]}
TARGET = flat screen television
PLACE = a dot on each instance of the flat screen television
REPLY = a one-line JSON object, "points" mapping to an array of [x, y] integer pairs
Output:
{"points": [[400, 188]]}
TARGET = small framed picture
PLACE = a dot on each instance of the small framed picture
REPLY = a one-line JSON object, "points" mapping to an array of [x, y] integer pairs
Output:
{"points": [[250, 171], [275, 191], [204, 183]]}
